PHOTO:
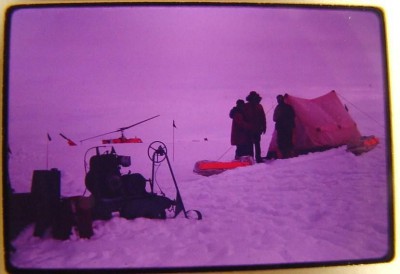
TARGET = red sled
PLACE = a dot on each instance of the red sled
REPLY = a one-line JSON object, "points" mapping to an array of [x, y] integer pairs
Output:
{"points": [[208, 168], [364, 144]]}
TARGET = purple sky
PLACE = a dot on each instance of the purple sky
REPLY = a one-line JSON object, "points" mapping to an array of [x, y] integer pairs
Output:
{"points": [[185, 63]]}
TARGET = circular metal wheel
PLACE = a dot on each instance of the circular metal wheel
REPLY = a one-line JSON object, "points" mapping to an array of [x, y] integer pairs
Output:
{"points": [[157, 151]]}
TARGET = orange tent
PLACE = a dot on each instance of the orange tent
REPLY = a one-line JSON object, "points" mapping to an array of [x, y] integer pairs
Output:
{"points": [[321, 123]]}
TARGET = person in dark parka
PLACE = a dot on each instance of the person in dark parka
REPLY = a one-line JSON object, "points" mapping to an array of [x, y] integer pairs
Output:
{"points": [[241, 131], [254, 114], [284, 118]]}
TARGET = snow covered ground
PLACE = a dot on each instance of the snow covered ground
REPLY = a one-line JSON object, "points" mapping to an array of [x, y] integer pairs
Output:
{"points": [[323, 207]]}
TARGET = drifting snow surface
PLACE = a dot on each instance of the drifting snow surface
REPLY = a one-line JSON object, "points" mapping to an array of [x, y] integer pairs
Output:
{"points": [[321, 207], [85, 72]]}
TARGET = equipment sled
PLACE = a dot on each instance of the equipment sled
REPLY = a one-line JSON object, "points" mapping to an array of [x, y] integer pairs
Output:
{"points": [[364, 144], [208, 168]]}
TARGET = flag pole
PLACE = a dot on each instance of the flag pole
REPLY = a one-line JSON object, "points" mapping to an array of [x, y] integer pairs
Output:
{"points": [[173, 140], [47, 151], [47, 155]]}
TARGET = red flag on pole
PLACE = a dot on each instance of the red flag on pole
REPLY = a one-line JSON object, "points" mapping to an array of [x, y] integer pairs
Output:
{"points": [[70, 142]]}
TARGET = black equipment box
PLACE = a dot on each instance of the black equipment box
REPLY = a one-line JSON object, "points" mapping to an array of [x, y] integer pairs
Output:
{"points": [[45, 198]]}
